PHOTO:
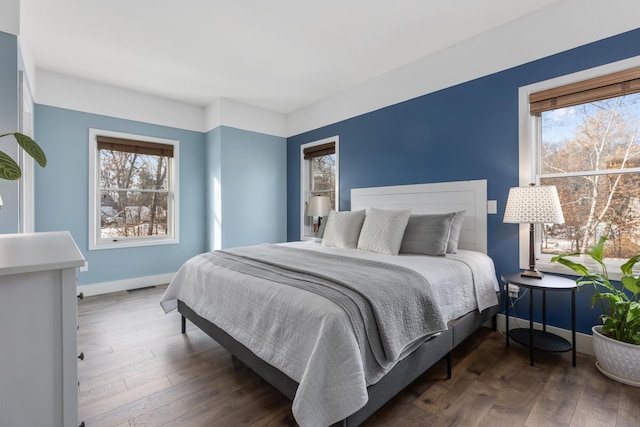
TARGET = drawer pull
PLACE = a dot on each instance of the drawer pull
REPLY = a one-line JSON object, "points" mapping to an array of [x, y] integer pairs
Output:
{"points": [[80, 296], [81, 356]]}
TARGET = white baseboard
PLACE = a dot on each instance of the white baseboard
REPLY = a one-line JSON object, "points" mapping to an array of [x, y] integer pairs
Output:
{"points": [[584, 342], [125, 285]]}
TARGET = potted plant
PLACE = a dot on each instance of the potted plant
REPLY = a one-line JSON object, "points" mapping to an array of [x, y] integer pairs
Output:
{"points": [[9, 169], [616, 342]]}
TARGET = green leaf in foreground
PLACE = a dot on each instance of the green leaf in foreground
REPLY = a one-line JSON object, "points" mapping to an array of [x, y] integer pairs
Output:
{"points": [[32, 148], [9, 169]]}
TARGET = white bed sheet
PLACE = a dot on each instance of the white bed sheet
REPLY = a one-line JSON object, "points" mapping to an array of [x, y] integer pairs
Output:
{"points": [[268, 318], [457, 300]]}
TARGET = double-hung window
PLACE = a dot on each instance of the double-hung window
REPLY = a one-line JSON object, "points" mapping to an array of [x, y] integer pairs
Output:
{"points": [[133, 190], [319, 177], [583, 136]]}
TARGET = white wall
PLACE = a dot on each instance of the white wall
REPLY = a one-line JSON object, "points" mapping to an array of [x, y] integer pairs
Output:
{"points": [[226, 112], [10, 16], [58, 90], [63, 91], [563, 25]]}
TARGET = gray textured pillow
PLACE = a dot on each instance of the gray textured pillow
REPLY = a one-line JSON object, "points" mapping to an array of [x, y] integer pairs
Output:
{"points": [[454, 234], [346, 228], [327, 235], [382, 230], [427, 234]]}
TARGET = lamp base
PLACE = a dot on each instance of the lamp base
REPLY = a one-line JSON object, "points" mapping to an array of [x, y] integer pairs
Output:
{"points": [[533, 273], [316, 226]]}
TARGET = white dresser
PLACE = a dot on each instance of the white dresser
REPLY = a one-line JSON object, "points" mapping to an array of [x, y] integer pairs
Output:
{"points": [[38, 330]]}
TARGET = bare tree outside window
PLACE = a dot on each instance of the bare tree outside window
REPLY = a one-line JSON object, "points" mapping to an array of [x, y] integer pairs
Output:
{"points": [[133, 194], [323, 174], [591, 153]]}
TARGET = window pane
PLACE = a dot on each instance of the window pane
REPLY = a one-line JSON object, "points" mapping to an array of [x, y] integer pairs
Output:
{"points": [[589, 137], [133, 214], [323, 174], [593, 137], [125, 212], [594, 206], [119, 170]]}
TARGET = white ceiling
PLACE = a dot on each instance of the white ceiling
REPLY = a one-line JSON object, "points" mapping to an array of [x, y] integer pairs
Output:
{"points": [[280, 55]]}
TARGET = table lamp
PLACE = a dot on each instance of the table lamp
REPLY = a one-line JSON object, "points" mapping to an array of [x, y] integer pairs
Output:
{"points": [[318, 206], [533, 205]]}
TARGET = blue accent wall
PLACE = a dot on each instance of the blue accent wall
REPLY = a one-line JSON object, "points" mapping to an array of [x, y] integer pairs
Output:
{"points": [[251, 171], [61, 193], [468, 131]]}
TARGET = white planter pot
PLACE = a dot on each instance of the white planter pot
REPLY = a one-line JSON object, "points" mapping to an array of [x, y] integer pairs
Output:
{"points": [[617, 360]]}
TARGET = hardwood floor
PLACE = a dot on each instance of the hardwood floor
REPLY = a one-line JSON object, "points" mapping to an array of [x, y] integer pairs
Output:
{"points": [[139, 370]]}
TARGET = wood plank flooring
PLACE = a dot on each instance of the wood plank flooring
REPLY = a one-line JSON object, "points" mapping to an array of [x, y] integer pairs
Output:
{"points": [[139, 370]]}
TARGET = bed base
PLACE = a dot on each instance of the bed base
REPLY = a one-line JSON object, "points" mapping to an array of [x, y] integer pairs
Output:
{"points": [[403, 374]]}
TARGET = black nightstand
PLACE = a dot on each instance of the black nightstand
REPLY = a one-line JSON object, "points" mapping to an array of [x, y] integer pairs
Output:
{"points": [[535, 338]]}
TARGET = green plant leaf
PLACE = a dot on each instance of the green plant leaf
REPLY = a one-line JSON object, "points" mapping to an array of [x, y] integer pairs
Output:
{"points": [[634, 312], [620, 312], [631, 283], [614, 298], [9, 169], [610, 327], [627, 267], [32, 148], [596, 280], [596, 251], [577, 267]]}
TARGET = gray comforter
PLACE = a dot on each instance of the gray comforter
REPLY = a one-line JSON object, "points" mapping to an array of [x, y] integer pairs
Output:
{"points": [[310, 338], [390, 307]]}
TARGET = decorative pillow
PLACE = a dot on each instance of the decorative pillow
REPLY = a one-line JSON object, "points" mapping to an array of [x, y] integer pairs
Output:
{"points": [[323, 225], [327, 235], [454, 234], [427, 234], [346, 228], [382, 230]]}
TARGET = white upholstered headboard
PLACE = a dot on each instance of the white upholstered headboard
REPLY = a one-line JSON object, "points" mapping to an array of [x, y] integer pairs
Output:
{"points": [[440, 197]]}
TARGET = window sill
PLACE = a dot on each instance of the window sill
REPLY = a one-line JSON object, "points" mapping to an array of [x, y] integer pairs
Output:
{"points": [[555, 268], [131, 243]]}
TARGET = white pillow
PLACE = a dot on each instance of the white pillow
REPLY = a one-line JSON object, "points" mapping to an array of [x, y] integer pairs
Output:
{"points": [[346, 228], [383, 230], [454, 233], [327, 236]]}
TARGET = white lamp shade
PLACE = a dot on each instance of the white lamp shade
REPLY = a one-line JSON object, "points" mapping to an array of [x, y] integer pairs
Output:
{"points": [[533, 205], [318, 206]]}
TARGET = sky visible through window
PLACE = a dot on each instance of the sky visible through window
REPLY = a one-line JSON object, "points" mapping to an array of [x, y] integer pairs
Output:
{"points": [[579, 144]]}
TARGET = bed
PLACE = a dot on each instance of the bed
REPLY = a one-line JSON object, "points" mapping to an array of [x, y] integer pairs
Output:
{"points": [[264, 313]]}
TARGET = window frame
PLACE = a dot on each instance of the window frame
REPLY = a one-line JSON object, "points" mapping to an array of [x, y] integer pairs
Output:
{"points": [[306, 182], [98, 243], [529, 128]]}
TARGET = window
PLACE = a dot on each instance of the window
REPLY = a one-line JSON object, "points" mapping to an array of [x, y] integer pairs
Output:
{"points": [[133, 190], [319, 177], [583, 137]]}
